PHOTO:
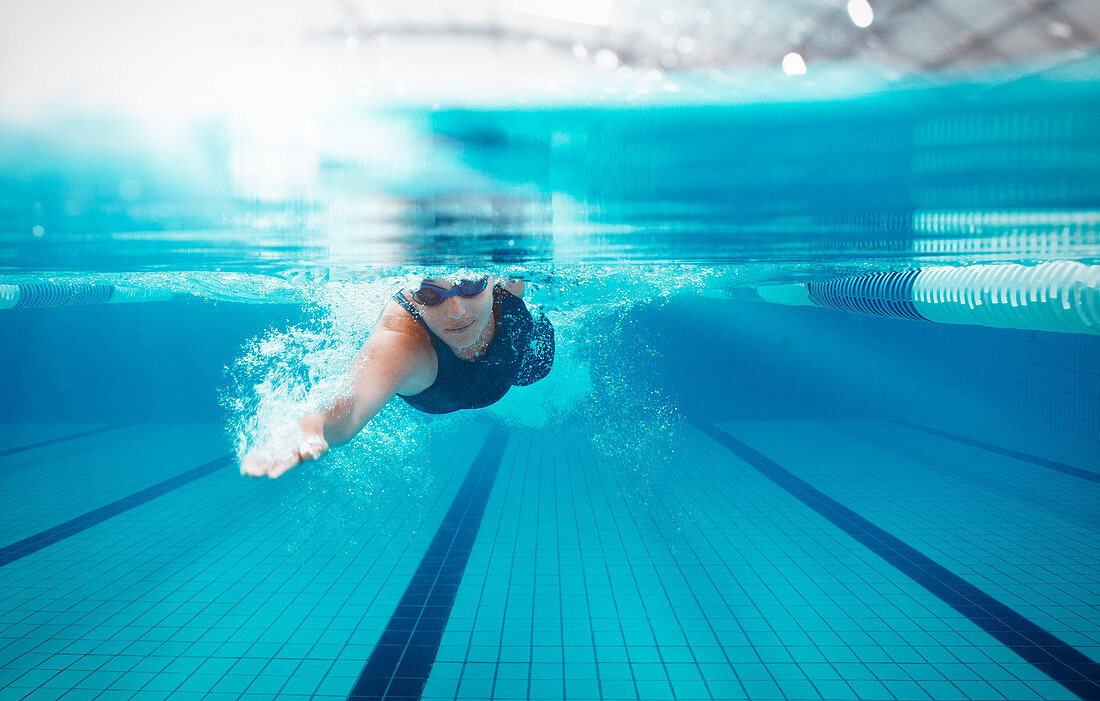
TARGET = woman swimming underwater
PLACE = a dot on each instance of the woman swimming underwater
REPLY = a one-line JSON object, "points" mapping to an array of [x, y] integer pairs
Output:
{"points": [[450, 344]]}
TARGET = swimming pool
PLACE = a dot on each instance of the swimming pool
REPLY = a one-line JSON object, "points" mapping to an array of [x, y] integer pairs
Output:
{"points": [[824, 422]]}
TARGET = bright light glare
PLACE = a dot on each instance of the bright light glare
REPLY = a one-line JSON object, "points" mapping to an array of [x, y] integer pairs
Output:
{"points": [[607, 59], [793, 64], [595, 12], [861, 13]]}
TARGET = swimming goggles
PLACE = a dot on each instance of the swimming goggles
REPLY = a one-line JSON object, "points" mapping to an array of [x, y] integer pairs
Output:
{"points": [[430, 295]]}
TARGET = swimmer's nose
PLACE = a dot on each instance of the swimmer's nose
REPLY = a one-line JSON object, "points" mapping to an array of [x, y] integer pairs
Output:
{"points": [[455, 309]]}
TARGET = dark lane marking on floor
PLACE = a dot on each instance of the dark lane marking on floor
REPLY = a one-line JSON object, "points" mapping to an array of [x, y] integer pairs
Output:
{"points": [[62, 439], [1008, 452], [1053, 656], [398, 666], [13, 552]]}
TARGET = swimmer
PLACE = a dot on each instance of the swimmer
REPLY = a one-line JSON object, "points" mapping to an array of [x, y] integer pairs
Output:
{"points": [[450, 344]]}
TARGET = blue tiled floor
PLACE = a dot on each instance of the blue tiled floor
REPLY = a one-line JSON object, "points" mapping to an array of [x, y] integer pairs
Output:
{"points": [[46, 486], [591, 577], [1027, 535]]}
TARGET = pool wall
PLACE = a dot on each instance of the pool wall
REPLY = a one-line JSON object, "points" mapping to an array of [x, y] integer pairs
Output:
{"points": [[162, 361], [794, 362]]}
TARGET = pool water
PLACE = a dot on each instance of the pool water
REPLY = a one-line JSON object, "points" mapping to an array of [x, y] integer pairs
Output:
{"points": [[736, 483]]}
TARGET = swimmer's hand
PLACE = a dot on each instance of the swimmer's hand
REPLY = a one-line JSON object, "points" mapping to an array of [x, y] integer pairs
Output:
{"points": [[282, 454]]}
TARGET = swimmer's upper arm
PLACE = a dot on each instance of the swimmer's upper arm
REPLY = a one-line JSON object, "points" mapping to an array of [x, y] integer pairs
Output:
{"points": [[393, 353]]}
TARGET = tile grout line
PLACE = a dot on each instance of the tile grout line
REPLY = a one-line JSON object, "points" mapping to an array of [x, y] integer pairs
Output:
{"points": [[1062, 662]]}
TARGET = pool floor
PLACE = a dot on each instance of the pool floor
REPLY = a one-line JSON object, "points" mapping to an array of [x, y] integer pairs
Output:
{"points": [[739, 560]]}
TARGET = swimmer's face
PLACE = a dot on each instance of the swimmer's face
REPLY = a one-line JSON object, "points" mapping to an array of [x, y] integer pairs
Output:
{"points": [[459, 320]]}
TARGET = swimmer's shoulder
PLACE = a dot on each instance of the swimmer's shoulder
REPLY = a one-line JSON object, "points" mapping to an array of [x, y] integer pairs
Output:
{"points": [[397, 326], [515, 287], [400, 345]]}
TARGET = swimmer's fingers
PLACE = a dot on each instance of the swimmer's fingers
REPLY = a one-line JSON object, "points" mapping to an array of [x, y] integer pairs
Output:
{"points": [[253, 465], [282, 465], [260, 463], [311, 449]]}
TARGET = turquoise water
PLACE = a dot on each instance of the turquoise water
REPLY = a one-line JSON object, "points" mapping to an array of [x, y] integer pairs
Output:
{"points": [[711, 496]]}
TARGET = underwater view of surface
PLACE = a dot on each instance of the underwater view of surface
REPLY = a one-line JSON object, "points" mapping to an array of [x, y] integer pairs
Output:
{"points": [[798, 399]]}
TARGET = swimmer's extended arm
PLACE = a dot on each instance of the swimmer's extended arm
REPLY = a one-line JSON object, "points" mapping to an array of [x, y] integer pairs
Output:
{"points": [[389, 358], [384, 364]]}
